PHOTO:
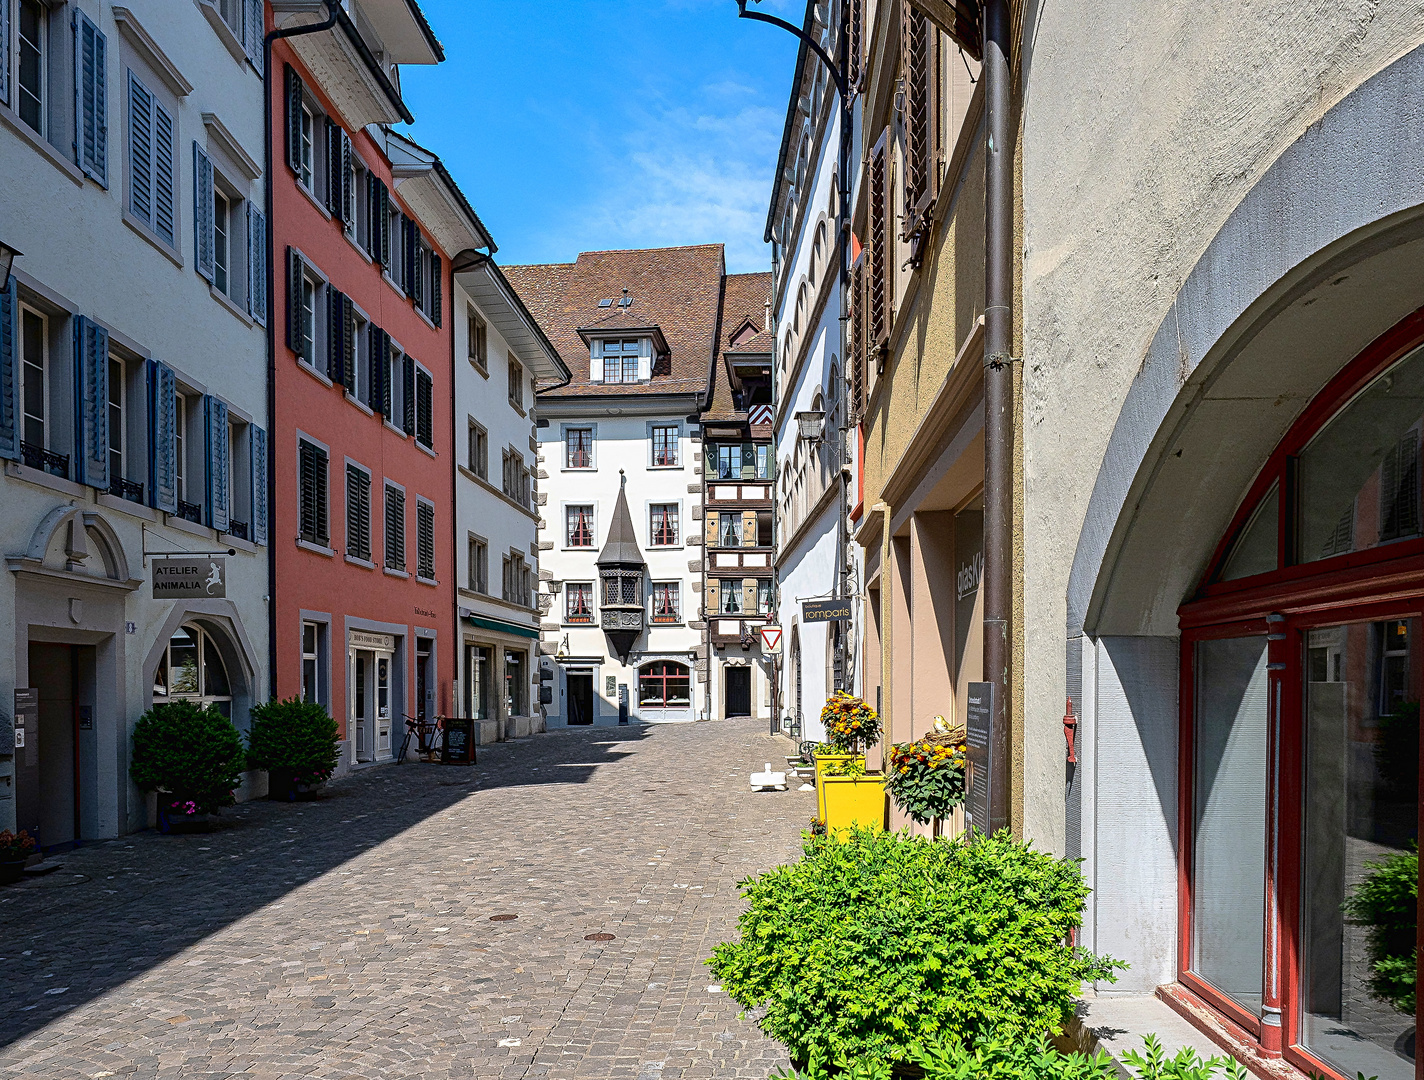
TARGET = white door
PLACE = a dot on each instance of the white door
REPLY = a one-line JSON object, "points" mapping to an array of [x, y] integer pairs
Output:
{"points": [[361, 710], [383, 706]]}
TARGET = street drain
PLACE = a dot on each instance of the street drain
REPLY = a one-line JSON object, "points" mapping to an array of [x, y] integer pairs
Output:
{"points": [[598, 937], [502, 918]]}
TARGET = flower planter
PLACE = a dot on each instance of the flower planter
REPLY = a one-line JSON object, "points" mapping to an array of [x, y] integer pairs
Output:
{"points": [[11, 870], [283, 786], [825, 760], [853, 800], [175, 821]]}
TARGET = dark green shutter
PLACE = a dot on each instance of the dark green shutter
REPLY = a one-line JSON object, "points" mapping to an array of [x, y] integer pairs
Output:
{"points": [[333, 167], [424, 410], [348, 344], [335, 337], [437, 286], [295, 93], [294, 303], [408, 394], [425, 540]]}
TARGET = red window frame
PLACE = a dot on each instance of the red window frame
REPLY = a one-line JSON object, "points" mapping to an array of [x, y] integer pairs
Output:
{"points": [[578, 602], [663, 674], [664, 445], [1379, 583], [578, 448], [664, 524], [667, 602], [578, 525]]}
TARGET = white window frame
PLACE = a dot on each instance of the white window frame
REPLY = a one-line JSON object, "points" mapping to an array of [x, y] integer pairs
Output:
{"points": [[592, 525], [477, 582], [306, 139], [660, 425], [46, 381], [648, 516], [314, 657], [564, 430], [653, 618], [568, 617]]}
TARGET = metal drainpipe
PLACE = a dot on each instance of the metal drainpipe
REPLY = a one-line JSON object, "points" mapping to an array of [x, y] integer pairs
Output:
{"points": [[998, 397], [268, 187]]}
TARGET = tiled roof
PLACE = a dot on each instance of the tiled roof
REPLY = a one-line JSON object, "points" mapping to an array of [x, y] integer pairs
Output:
{"points": [[744, 301], [677, 289]]}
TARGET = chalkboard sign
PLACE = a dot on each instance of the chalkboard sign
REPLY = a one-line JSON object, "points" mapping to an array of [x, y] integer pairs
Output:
{"points": [[978, 737], [459, 744]]}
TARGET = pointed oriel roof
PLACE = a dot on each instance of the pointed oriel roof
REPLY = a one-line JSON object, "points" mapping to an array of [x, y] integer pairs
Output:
{"points": [[621, 547]]}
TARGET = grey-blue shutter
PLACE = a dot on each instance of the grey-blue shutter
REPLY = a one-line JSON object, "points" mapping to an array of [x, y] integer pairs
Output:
{"points": [[9, 434], [256, 264], [258, 456], [91, 403], [204, 244], [91, 104], [254, 28], [140, 151], [295, 92], [219, 499], [162, 430], [5, 53], [165, 209]]}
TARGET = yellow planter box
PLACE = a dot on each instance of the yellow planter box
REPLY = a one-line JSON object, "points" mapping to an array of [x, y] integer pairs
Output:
{"points": [[852, 800], [823, 762]]}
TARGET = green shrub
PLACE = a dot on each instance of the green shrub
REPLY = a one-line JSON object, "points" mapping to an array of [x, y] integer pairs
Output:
{"points": [[873, 945], [1387, 903], [296, 735], [189, 750], [926, 777], [993, 1058]]}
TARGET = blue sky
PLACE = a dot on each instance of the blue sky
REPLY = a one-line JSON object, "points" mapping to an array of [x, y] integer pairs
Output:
{"points": [[577, 125]]}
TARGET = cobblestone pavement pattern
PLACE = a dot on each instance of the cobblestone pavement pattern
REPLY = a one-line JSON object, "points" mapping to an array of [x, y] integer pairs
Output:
{"points": [[352, 936]]}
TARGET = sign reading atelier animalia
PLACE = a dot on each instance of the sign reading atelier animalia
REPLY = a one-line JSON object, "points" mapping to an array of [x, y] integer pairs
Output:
{"points": [[980, 751], [188, 579]]}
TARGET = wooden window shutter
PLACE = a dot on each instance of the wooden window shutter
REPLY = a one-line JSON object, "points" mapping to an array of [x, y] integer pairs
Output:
{"points": [[258, 462], [204, 242], [335, 336], [294, 301], [91, 368], [749, 528], [395, 528], [91, 106], [918, 39], [387, 390], [712, 528], [5, 53], [383, 225], [424, 410], [713, 603], [425, 540], [162, 432], [358, 513], [165, 172], [335, 176], [437, 288], [348, 344], [295, 92], [140, 151], [311, 468], [855, 41], [9, 431], [219, 499], [256, 265], [348, 183], [749, 591], [855, 363], [408, 394], [879, 252], [254, 28]]}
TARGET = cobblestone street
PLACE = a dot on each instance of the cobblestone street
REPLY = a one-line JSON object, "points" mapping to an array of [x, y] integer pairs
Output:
{"points": [[356, 936]]}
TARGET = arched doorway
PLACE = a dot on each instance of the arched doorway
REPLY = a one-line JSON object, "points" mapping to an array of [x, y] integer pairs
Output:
{"points": [[1302, 666]]}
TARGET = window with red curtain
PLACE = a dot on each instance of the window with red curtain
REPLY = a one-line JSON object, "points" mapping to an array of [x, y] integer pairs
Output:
{"points": [[578, 448], [580, 526], [666, 602], [664, 522], [578, 602]]}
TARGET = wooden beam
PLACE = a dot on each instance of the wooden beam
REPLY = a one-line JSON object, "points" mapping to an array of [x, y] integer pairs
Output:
{"points": [[957, 18]]}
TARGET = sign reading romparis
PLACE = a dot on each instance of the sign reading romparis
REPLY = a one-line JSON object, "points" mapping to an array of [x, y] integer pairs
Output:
{"points": [[189, 579], [978, 737], [825, 610]]}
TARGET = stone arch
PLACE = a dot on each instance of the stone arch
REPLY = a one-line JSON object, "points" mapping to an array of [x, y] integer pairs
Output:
{"points": [[220, 619], [78, 541], [1331, 235]]}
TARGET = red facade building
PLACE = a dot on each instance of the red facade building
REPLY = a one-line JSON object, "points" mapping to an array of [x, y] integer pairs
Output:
{"points": [[365, 225]]}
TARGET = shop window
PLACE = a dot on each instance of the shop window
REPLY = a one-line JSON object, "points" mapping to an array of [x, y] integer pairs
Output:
{"points": [[313, 651], [479, 675], [516, 683], [665, 683], [191, 668]]}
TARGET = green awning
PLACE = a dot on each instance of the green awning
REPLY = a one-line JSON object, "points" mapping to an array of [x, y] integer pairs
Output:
{"points": [[502, 627]]}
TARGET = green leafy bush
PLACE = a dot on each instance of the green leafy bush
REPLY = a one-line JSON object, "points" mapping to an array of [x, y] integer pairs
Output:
{"points": [[873, 945], [993, 1058], [189, 750], [294, 735], [926, 777], [1387, 903]]}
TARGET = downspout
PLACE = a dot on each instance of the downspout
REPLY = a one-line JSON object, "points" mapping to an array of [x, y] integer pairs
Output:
{"points": [[998, 399], [268, 189]]}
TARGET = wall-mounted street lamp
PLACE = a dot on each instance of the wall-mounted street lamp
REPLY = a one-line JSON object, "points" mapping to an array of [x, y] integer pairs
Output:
{"points": [[811, 425], [7, 260]]}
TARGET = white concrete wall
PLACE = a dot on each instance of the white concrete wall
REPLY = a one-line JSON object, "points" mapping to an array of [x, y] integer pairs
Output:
{"points": [[82, 258], [621, 442]]}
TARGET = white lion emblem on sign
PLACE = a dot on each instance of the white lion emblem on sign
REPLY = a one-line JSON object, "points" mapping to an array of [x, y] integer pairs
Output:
{"points": [[214, 577]]}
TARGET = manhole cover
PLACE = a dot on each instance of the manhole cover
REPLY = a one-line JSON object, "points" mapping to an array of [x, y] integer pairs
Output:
{"points": [[598, 937], [502, 918]]}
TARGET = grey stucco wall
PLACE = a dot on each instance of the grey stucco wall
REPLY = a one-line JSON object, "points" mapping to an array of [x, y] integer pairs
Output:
{"points": [[1151, 227]]}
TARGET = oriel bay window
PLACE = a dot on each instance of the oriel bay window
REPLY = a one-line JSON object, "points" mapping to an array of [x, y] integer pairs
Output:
{"points": [[1299, 803]]}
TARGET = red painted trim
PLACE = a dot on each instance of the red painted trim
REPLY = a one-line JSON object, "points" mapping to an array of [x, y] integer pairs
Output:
{"points": [[1394, 343]]}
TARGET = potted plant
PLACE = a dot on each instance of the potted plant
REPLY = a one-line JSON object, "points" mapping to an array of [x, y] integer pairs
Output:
{"points": [[15, 852], [926, 777], [192, 756], [297, 743], [851, 725], [850, 797]]}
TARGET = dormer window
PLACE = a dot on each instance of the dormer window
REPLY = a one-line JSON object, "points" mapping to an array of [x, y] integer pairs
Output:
{"points": [[625, 360]]}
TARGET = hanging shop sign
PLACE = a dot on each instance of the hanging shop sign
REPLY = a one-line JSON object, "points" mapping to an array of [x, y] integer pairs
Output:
{"points": [[825, 610], [189, 579]]}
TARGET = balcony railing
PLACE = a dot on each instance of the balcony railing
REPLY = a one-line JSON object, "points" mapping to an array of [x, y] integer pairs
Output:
{"points": [[126, 489], [37, 457], [238, 529], [190, 512]]}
